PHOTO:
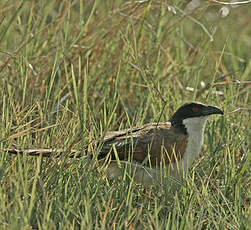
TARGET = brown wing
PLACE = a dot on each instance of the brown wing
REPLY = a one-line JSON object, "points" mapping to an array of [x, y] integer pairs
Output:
{"points": [[153, 141]]}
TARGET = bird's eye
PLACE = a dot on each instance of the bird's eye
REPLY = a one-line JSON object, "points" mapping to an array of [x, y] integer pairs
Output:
{"points": [[195, 109]]}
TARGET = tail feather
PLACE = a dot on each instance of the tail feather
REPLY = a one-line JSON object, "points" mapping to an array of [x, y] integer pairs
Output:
{"points": [[46, 152]]}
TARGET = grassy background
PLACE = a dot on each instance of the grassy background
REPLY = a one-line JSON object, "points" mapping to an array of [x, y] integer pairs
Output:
{"points": [[71, 70]]}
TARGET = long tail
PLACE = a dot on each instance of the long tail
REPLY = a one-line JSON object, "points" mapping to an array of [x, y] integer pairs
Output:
{"points": [[46, 152]]}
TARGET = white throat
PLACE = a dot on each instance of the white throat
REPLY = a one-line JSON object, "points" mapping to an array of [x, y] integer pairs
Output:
{"points": [[195, 128]]}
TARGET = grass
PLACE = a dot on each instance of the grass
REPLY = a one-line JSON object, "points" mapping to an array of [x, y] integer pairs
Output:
{"points": [[72, 70]]}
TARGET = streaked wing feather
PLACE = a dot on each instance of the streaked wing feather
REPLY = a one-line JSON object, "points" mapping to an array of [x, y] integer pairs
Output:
{"points": [[137, 143]]}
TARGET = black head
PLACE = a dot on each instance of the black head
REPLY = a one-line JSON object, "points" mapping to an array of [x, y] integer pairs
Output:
{"points": [[193, 109]]}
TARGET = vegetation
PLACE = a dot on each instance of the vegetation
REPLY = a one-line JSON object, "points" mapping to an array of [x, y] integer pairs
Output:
{"points": [[72, 70]]}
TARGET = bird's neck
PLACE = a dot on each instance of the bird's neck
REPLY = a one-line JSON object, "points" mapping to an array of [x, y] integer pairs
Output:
{"points": [[195, 130]]}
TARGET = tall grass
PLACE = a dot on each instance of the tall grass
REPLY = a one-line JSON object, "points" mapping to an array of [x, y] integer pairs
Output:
{"points": [[72, 70]]}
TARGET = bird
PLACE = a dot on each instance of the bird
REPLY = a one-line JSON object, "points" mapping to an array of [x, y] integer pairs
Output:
{"points": [[149, 153], [146, 151]]}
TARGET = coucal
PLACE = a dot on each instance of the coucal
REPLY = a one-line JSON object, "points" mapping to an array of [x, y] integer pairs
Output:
{"points": [[144, 152], [172, 146]]}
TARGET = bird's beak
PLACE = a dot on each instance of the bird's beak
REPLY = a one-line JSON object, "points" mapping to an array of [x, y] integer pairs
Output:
{"points": [[211, 110]]}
